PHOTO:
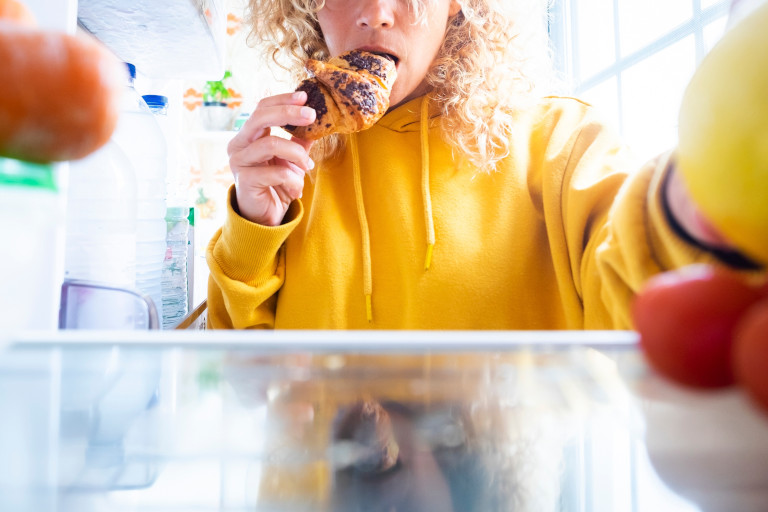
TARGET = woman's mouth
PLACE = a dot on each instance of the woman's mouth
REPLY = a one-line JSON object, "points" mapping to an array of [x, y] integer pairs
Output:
{"points": [[394, 58]]}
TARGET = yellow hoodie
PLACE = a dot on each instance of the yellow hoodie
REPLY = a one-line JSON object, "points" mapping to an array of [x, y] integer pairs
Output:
{"points": [[396, 233]]}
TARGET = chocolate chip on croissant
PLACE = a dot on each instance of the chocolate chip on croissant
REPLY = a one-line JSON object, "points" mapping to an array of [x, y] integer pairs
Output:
{"points": [[349, 93]]}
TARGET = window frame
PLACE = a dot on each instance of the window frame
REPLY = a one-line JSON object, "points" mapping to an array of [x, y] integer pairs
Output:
{"points": [[564, 37]]}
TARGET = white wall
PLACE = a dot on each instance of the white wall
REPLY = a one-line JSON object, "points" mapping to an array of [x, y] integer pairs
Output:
{"points": [[55, 14]]}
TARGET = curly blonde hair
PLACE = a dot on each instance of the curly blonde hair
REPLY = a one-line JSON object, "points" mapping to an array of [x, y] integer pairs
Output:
{"points": [[494, 60]]}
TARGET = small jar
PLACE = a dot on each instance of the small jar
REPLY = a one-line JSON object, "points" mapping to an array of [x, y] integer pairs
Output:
{"points": [[32, 259]]}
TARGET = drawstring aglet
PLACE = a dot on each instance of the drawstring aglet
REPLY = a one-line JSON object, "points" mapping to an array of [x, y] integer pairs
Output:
{"points": [[428, 259], [368, 308]]}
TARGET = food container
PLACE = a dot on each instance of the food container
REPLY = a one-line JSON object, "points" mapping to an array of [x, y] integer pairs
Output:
{"points": [[32, 258]]}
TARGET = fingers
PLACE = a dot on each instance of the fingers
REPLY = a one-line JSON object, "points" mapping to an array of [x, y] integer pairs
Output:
{"points": [[279, 110], [307, 144], [288, 178], [283, 196], [268, 148], [269, 170], [265, 192]]}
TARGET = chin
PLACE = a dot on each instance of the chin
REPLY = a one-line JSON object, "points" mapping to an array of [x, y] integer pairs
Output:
{"points": [[398, 98], [395, 100]]}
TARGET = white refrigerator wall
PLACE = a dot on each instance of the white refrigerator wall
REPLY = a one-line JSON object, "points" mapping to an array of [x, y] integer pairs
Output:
{"points": [[55, 14]]}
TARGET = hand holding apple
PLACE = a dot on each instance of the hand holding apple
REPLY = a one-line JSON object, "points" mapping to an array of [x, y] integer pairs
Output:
{"points": [[723, 135]]}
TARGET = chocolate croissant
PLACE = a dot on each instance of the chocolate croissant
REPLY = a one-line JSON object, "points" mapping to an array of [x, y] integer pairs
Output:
{"points": [[349, 93], [368, 424]]}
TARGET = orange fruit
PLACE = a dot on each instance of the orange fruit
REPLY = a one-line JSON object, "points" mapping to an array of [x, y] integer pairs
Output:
{"points": [[16, 12], [59, 94]]}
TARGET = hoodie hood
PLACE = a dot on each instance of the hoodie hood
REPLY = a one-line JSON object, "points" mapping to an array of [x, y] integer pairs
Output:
{"points": [[407, 117]]}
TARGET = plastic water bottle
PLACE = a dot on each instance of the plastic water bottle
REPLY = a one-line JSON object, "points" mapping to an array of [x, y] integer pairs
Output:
{"points": [[101, 219], [177, 172], [158, 104], [191, 304], [174, 281], [31, 262], [100, 236], [140, 136], [175, 304]]}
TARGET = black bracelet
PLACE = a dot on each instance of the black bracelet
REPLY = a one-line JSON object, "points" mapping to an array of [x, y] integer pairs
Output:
{"points": [[732, 258]]}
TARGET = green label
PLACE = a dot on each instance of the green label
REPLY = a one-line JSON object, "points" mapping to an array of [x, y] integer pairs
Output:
{"points": [[26, 174]]}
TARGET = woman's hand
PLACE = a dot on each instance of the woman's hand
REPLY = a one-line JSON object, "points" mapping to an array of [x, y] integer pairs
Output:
{"points": [[269, 170]]}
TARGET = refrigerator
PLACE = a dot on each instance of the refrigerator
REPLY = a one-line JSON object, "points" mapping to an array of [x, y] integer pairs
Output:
{"points": [[407, 421]]}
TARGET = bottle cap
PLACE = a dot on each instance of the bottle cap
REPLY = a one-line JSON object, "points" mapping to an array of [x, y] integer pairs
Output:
{"points": [[131, 70], [26, 174], [156, 103], [156, 100]]}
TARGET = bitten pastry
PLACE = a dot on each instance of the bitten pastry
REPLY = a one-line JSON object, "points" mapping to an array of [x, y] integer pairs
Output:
{"points": [[349, 93], [367, 423]]}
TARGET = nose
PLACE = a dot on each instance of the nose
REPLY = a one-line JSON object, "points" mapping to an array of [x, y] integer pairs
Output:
{"points": [[376, 14]]}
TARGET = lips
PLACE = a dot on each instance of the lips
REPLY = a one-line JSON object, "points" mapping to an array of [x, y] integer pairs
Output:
{"points": [[387, 55], [384, 53]]}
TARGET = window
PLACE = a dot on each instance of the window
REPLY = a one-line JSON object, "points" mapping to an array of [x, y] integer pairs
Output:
{"points": [[633, 58]]}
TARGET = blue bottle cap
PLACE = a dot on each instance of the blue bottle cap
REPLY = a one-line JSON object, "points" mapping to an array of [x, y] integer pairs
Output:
{"points": [[156, 100]]}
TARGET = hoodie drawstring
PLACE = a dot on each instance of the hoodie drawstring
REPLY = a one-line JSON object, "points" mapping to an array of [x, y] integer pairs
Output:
{"points": [[426, 196], [360, 205], [364, 232]]}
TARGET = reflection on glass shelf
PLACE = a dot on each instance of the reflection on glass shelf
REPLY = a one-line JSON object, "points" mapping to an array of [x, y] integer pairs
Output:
{"points": [[235, 427]]}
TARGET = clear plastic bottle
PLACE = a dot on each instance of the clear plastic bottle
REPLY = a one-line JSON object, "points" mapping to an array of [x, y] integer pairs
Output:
{"points": [[175, 304], [191, 300], [174, 281], [31, 262], [100, 238], [101, 219], [170, 121], [158, 104], [139, 135]]}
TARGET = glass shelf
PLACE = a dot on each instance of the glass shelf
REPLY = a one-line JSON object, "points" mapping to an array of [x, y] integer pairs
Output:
{"points": [[234, 421], [172, 39]]}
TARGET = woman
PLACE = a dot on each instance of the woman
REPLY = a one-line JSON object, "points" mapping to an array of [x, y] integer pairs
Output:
{"points": [[476, 202]]}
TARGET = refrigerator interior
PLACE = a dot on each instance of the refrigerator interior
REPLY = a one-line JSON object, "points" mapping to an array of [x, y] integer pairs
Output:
{"points": [[243, 421]]}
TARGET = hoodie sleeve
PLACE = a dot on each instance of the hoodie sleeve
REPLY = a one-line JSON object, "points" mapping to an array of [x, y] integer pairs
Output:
{"points": [[638, 240], [247, 269], [608, 226]]}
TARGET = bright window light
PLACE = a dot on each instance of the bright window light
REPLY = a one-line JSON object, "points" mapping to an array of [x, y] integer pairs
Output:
{"points": [[633, 58]]}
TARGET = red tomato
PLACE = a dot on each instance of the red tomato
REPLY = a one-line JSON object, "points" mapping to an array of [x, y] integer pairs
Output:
{"points": [[750, 352], [764, 288], [686, 320]]}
